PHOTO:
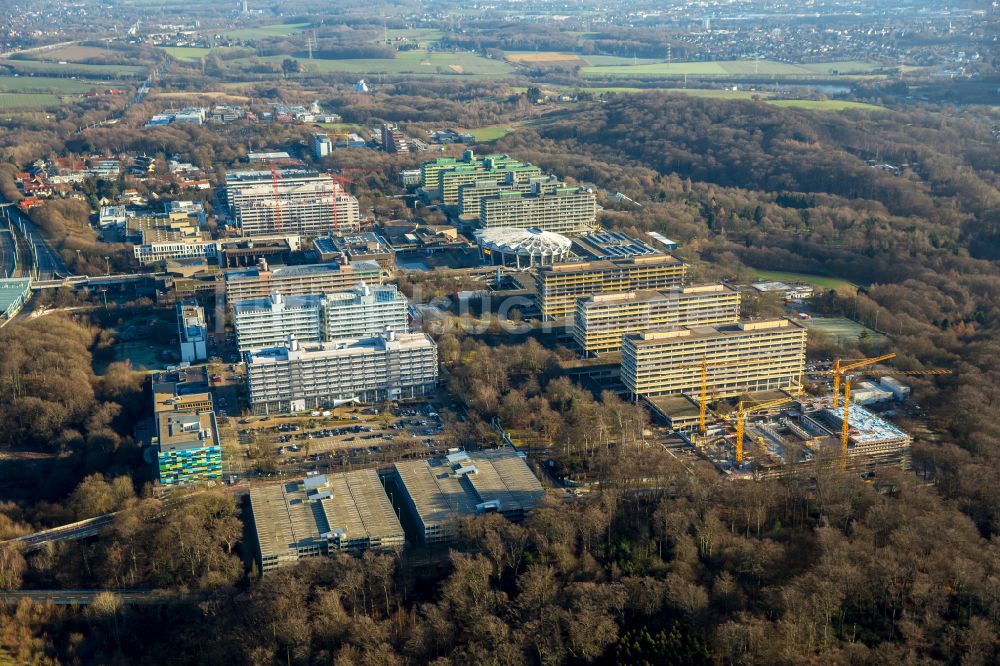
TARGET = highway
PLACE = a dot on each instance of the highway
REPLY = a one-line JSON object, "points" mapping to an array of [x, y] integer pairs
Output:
{"points": [[49, 265], [79, 530], [8, 257]]}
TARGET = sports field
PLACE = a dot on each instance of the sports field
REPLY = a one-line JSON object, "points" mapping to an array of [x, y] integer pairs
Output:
{"points": [[46, 84], [842, 329], [71, 69], [26, 101], [807, 278], [490, 132], [265, 31]]}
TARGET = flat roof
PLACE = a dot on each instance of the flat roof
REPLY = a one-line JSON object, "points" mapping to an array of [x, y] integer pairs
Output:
{"points": [[248, 274], [441, 490], [286, 517], [657, 336], [865, 427], [613, 244], [186, 430], [609, 264], [334, 348], [646, 295]]}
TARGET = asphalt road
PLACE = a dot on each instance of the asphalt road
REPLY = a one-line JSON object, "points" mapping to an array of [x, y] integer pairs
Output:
{"points": [[75, 531], [7, 255], [49, 264]]}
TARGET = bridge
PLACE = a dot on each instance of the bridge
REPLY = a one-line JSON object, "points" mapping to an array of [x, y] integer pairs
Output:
{"points": [[78, 530], [80, 281], [86, 597]]}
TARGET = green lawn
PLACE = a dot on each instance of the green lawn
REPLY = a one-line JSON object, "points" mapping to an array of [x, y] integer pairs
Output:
{"points": [[842, 329], [415, 34], [808, 278], [825, 104], [438, 63], [490, 132], [187, 53], [23, 101], [265, 31], [42, 67], [603, 60], [46, 84]]}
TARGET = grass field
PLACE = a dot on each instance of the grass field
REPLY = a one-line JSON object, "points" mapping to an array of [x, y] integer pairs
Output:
{"points": [[842, 329], [418, 62], [265, 31], [70, 69], [415, 34], [808, 278], [46, 84], [545, 58], [74, 53], [603, 60], [825, 104], [23, 101], [721, 68], [187, 53], [490, 132]]}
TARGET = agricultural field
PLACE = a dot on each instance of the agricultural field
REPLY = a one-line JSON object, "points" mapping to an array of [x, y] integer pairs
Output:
{"points": [[418, 63], [28, 101], [546, 59], [75, 69], [265, 31], [414, 34], [47, 84], [722, 68], [807, 278], [73, 53]]}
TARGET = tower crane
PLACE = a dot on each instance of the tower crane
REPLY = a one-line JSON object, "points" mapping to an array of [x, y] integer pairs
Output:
{"points": [[841, 372], [703, 394], [744, 409]]}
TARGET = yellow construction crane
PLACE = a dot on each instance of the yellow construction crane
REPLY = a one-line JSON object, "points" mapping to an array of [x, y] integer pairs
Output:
{"points": [[745, 408], [333, 137], [703, 395], [840, 372]]}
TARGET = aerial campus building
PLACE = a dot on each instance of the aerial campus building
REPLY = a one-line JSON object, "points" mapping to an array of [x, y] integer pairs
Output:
{"points": [[319, 279], [565, 210], [436, 493], [601, 321], [506, 246], [358, 313], [368, 246], [294, 377], [323, 514], [870, 438], [442, 178], [292, 201], [192, 332], [744, 357], [471, 194], [186, 441], [560, 285]]}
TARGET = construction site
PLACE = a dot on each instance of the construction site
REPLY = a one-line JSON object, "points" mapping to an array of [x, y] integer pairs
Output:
{"points": [[766, 434]]}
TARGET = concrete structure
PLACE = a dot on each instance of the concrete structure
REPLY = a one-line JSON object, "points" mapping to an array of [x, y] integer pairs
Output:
{"points": [[14, 293], [898, 390], [268, 322], [363, 312], [869, 436], [361, 247], [323, 514], [559, 286], [322, 146], [471, 194], [508, 246], [292, 201], [319, 279], [745, 357], [567, 210], [611, 245], [192, 332], [601, 321], [436, 493], [294, 378], [394, 140], [188, 448], [441, 178]]}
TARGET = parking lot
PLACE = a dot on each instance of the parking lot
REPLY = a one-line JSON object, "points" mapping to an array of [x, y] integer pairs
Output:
{"points": [[341, 438]]}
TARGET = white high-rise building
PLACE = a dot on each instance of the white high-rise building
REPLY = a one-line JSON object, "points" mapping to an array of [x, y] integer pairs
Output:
{"points": [[192, 332], [267, 322], [363, 312], [356, 313], [289, 201], [295, 377]]}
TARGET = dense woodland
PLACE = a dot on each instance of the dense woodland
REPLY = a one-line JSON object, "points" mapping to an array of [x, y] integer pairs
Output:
{"points": [[819, 567]]}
